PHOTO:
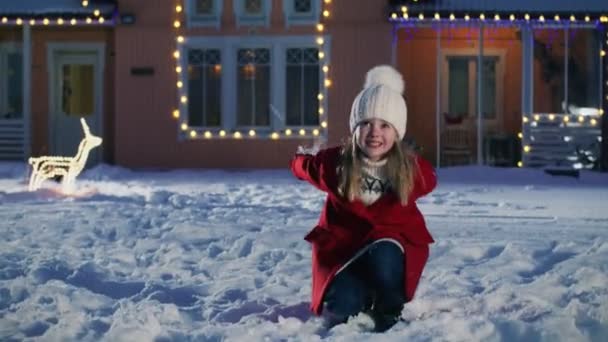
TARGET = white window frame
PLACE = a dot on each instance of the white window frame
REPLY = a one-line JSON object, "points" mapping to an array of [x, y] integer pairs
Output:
{"points": [[294, 18], [5, 49], [198, 20], [228, 46], [244, 19]]}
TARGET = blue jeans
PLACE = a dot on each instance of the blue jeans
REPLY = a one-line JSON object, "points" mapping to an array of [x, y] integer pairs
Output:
{"points": [[373, 282]]}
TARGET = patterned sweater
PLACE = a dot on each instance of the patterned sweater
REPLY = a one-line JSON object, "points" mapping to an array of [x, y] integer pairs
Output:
{"points": [[374, 180]]}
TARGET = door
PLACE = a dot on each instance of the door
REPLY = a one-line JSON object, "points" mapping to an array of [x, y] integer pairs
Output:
{"points": [[459, 103], [76, 93]]}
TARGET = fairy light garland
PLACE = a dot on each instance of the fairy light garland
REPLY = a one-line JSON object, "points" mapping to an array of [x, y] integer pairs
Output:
{"points": [[405, 15], [180, 113], [47, 167], [95, 19]]}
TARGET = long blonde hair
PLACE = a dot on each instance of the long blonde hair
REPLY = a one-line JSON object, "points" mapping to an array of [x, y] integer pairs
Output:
{"points": [[400, 170]]}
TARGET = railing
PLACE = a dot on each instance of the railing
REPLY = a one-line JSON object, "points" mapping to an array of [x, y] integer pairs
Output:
{"points": [[12, 139], [564, 140]]}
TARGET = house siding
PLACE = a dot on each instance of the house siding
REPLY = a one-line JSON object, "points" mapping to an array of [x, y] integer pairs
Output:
{"points": [[146, 133]]}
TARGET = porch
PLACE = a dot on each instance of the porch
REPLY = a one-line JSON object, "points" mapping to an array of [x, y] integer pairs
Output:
{"points": [[503, 90]]}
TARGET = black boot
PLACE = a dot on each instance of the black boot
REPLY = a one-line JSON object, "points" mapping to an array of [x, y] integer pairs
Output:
{"points": [[384, 321]]}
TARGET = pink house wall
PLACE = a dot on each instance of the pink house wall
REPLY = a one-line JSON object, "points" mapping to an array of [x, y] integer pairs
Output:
{"points": [[146, 133]]}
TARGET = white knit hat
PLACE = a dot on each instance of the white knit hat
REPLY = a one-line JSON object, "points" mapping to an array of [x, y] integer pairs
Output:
{"points": [[381, 99]]}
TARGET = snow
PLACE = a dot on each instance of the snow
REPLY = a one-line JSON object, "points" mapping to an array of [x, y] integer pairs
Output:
{"points": [[202, 255]]}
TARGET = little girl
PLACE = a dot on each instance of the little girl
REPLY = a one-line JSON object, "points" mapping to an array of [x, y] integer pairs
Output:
{"points": [[371, 242]]}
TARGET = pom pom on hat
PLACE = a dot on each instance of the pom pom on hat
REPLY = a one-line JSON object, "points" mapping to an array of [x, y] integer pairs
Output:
{"points": [[385, 75], [381, 98]]}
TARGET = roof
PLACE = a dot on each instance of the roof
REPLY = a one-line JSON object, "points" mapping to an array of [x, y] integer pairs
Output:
{"points": [[29, 8], [547, 7]]}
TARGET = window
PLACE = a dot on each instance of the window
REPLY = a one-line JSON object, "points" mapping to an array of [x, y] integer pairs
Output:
{"points": [[204, 7], [253, 87], [204, 12], [78, 89], [462, 87], [252, 12], [566, 87], [301, 12], [262, 83], [302, 6], [204, 87], [302, 79], [11, 83]]}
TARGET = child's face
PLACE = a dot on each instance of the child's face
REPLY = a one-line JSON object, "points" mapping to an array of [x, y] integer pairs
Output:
{"points": [[375, 137]]}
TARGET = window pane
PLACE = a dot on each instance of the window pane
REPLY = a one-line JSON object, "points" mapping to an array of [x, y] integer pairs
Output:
{"points": [[310, 93], [195, 95], [14, 82], [253, 87], [77, 89], [458, 87], [549, 70], [302, 80], [253, 7], [204, 87], [262, 96], [293, 89], [303, 6], [204, 7], [213, 95], [583, 69]]}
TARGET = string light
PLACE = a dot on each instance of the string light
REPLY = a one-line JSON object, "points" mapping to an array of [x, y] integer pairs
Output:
{"points": [[47, 167], [183, 99]]}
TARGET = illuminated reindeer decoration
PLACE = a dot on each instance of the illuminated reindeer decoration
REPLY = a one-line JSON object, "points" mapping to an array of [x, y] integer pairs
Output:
{"points": [[68, 168]]}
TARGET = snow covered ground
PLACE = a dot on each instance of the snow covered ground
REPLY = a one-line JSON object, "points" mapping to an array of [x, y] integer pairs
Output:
{"points": [[219, 256]]}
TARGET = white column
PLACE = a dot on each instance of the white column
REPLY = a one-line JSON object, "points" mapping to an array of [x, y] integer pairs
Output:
{"points": [[479, 98], [27, 89], [438, 117], [527, 87]]}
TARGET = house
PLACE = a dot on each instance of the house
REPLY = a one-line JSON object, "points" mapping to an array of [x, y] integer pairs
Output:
{"points": [[505, 82], [55, 66], [243, 83]]}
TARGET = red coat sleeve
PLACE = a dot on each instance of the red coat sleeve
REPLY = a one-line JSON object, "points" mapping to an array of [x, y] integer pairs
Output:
{"points": [[425, 178], [313, 168]]}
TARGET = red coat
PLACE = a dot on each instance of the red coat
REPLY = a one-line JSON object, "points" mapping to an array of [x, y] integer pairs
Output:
{"points": [[344, 227]]}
